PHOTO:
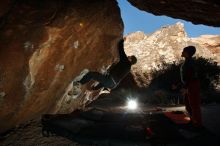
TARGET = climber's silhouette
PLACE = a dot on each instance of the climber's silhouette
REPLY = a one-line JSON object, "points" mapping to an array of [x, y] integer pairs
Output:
{"points": [[115, 74], [190, 86]]}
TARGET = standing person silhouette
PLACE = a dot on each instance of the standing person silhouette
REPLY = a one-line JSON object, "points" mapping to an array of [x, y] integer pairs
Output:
{"points": [[190, 86]]}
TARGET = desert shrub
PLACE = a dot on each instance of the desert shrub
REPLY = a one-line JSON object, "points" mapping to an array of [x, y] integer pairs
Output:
{"points": [[208, 72]]}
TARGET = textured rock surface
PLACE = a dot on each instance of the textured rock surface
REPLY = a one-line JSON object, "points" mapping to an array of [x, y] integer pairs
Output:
{"points": [[44, 45], [5, 7], [212, 42], [31, 134], [197, 11], [165, 45]]}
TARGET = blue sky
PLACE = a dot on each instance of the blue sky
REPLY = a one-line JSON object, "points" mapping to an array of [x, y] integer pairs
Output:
{"points": [[136, 20]]}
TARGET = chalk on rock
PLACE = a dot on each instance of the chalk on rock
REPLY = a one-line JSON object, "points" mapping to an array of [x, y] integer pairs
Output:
{"points": [[76, 44], [59, 67], [81, 75], [2, 94], [28, 45]]}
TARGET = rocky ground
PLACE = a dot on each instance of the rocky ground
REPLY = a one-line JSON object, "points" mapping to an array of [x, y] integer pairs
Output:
{"points": [[30, 133]]}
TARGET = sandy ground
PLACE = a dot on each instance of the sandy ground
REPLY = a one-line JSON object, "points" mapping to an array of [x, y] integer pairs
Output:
{"points": [[211, 118], [30, 133]]}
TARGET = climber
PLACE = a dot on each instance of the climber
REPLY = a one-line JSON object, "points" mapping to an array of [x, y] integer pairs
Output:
{"points": [[190, 86], [115, 74]]}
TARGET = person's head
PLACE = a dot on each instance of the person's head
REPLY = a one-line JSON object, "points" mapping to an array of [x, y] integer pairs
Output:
{"points": [[188, 51], [132, 59]]}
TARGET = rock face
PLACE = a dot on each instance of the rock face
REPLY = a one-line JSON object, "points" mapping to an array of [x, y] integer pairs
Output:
{"points": [[197, 11], [212, 42], [5, 7], [165, 45], [44, 45]]}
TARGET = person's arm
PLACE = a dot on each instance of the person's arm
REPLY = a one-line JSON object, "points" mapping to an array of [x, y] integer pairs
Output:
{"points": [[122, 55], [189, 76], [190, 72]]}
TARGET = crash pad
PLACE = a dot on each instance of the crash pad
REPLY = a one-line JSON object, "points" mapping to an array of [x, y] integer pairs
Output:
{"points": [[177, 117]]}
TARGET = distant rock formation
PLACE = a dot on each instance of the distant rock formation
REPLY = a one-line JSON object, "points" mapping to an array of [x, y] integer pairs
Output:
{"points": [[211, 42], [165, 45]]}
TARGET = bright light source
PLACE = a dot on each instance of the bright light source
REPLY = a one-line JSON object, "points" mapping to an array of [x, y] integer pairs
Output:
{"points": [[132, 104]]}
